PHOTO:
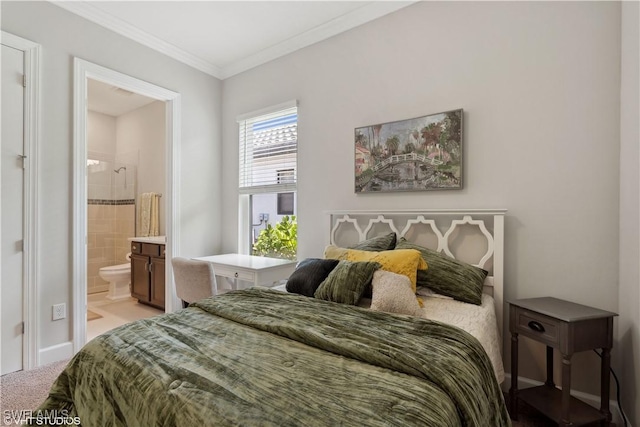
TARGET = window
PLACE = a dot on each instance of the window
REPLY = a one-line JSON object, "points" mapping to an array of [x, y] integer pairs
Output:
{"points": [[285, 200], [285, 203], [286, 176], [268, 146], [268, 151]]}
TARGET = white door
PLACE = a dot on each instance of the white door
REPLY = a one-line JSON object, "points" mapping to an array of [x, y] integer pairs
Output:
{"points": [[12, 191]]}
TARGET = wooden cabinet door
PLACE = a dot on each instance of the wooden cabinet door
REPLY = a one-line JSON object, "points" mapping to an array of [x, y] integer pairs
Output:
{"points": [[140, 277], [157, 282]]}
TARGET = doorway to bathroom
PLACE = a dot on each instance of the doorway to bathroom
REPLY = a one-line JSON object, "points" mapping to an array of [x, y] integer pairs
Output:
{"points": [[125, 158], [125, 143]]}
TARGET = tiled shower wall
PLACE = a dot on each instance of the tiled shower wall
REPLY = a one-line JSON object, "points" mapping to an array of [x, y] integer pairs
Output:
{"points": [[109, 224]]}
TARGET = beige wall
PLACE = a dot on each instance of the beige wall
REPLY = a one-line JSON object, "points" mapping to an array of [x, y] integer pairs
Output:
{"points": [[143, 131], [101, 133], [540, 86], [629, 321]]}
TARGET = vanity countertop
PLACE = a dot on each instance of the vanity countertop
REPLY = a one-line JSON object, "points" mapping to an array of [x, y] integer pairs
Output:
{"points": [[151, 239]]}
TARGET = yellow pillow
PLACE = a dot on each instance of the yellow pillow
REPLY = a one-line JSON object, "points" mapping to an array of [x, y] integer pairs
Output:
{"points": [[400, 261]]}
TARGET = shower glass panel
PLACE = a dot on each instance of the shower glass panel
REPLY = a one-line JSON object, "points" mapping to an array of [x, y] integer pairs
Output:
{"points": [[111, 189], [111, 181], [124, 181]]}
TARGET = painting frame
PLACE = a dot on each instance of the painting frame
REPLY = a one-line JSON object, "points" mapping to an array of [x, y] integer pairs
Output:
{"points": [[420, 154]]}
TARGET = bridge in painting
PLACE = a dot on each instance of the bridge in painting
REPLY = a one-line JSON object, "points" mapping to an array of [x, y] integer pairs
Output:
{"points": [[403, 158]]}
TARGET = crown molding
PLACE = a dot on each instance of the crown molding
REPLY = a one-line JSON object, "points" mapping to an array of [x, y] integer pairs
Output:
{"points": [[367, 12], [96, 15]]}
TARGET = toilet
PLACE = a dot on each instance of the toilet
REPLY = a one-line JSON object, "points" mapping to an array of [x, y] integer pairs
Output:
{"points": [[119, 278]]}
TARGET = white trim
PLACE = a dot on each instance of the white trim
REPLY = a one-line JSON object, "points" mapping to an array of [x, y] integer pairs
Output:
{"points": [[421, 211], [98, 16], [590, 399], [495, 243], [55, 353], [268, 110], [244, 224], [32, 53], [367, 12], [82, 71]]}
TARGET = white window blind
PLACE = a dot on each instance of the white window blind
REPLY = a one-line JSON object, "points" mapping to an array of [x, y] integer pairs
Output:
{"points": [[269, 150]]}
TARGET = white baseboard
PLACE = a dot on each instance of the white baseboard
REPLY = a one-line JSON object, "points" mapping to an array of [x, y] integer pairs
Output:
{"points": [[590, 399], [55, 353]]}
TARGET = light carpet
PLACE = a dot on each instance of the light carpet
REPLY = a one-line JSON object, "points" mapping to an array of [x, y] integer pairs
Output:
{"points": [[26, 390]]}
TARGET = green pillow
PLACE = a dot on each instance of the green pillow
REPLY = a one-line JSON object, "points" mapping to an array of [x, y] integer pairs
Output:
{"points": [[347, 281], [377, 244], [448, 276], [308, 275]]}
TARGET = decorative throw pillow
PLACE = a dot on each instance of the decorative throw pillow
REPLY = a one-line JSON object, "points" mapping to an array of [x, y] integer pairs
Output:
{"points": [[406, 262], [392, 293], [346, 283], [308, 275], [377, 244], [448, 276]]}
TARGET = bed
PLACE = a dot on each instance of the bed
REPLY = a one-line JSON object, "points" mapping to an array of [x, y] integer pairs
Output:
{"points": [[263, 357]]}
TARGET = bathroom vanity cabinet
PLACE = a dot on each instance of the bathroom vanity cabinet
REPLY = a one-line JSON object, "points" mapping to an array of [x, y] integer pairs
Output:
{"points": [[148, 273]]}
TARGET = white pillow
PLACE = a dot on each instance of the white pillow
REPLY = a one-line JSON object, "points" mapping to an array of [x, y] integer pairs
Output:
{"points": [[393, 293], [427, 292]]}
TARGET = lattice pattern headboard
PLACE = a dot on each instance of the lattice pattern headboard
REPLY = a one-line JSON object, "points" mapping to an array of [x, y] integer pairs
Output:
{"points": [[474, 236]]}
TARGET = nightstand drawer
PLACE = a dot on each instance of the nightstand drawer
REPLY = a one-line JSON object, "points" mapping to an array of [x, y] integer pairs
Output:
{"points": [[537, 326], [235, 273]]}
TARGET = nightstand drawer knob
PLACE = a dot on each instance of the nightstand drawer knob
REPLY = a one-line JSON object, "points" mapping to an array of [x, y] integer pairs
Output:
{"points": [[536, 326]]}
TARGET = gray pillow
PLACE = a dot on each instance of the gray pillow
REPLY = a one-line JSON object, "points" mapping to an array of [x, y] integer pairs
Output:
{"points": [[308, 275], [347, 282], [393, 293], [377, 244], [448, 276]]}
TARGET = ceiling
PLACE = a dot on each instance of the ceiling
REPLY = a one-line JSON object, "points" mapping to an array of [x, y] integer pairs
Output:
{"points": [[224, 38], [113, 101]]}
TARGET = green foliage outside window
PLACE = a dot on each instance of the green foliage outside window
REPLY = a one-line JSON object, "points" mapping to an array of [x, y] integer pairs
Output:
{"points": [[280, 241]]}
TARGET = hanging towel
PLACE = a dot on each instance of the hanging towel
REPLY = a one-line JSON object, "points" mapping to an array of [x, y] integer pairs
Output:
{"points": [[148, 215], [154, 217]]}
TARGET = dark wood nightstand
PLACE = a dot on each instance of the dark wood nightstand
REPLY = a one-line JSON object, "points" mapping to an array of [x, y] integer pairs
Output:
{"points": [[570, 328]]}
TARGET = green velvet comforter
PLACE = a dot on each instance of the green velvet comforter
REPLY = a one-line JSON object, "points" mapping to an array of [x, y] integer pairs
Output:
{"points": [[260, 357]]}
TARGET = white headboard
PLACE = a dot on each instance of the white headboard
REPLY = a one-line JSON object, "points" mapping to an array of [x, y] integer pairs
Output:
{"points": [[475, 236]]}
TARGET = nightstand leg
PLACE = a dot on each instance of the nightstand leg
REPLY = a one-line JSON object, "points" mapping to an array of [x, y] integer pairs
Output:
{"points": [[604, 383], [549, 381], [513, 393], [565, 413]]}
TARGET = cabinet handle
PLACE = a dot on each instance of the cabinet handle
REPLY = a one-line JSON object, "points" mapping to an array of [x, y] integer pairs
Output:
{"points": [[536, 326], [150, 267], [134, 247]]}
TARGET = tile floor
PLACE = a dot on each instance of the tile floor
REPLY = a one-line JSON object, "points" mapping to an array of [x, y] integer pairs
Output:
{"points": [[115, 313]]}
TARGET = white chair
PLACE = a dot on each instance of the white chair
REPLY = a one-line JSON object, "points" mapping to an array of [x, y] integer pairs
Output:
{"points": [[194, 280]]}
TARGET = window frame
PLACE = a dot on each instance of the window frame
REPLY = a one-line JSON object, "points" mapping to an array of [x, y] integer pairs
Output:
{"points": [[245, 194]]}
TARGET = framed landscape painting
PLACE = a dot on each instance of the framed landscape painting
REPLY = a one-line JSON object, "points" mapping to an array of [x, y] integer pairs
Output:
{"points": [[418, 154]]}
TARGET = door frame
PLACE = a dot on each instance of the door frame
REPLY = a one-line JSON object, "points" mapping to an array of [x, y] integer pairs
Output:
{"points": [[32, 52], [84, 70]]}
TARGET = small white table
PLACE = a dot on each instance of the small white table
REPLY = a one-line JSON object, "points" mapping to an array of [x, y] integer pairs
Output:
{"points": [[254, 269]]}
